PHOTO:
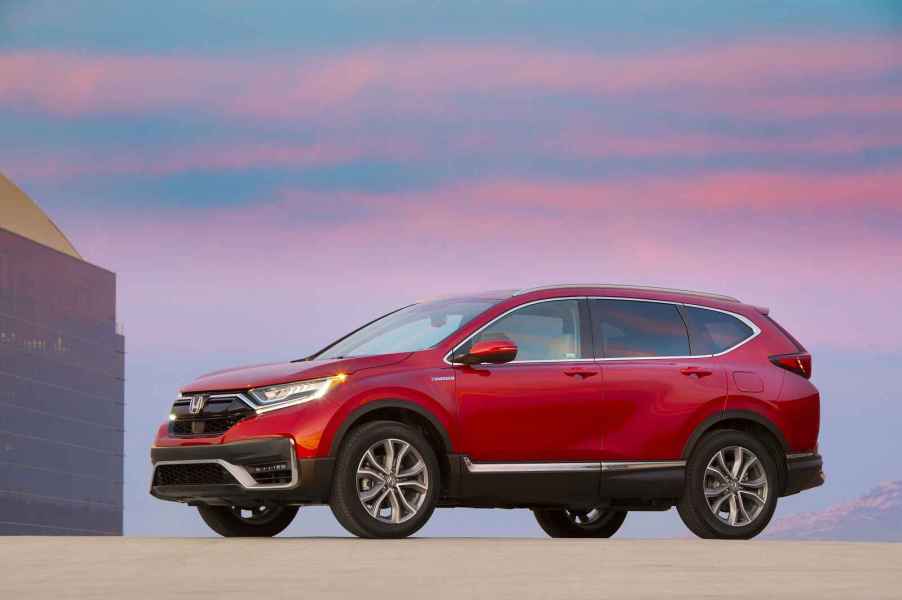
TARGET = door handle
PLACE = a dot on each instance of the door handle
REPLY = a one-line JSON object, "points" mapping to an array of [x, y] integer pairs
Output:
{"points": [[577, 372], [699, 371]]}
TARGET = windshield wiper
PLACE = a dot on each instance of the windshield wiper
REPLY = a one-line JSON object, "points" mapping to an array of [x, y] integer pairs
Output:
{"points": [[312, 356]]}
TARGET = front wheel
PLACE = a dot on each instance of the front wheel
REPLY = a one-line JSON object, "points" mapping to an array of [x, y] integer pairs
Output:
{"points": [[386, 481], [731, 486], [258, 521], [593, 523]]}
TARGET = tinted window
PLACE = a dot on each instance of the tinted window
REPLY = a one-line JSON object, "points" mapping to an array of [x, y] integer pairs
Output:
{"points": [[542, 331], [713, 332], [632, 329]]}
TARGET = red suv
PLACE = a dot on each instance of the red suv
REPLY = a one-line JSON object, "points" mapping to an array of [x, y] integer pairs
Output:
{"points": [[580, 402]]}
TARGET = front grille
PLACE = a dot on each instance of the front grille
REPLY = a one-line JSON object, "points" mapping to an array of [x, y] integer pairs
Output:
{"points": [[219, 414], [214, 426], [193, 474]]}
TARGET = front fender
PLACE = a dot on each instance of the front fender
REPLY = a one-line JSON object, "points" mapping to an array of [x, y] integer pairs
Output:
{"points": [[424, 407]]}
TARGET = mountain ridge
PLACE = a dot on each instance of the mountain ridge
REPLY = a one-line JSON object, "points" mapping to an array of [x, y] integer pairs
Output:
{"points": [[875, 516]]}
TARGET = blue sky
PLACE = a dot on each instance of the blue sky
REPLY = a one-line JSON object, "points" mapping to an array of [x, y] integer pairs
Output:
{"points": [[399, 150]]}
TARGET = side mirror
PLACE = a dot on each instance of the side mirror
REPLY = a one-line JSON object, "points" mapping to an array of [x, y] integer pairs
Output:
{"points": [[488, 351]]}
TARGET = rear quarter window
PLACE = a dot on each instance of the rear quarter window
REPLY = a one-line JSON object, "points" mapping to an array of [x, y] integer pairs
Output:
{"points": [[712, 332]]}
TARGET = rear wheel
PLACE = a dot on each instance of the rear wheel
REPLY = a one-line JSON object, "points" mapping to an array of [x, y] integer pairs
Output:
{"points": [[731, 486], [593, 523], [258, 521], [386, 481]]}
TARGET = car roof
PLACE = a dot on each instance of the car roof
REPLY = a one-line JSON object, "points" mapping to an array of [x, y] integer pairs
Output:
{"points": [[613, 288], [487, 295], [628, 288]]}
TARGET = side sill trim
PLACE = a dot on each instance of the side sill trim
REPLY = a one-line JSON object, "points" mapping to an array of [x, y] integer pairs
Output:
{"points": [[569, 467], [523, 467], [640, 466]]}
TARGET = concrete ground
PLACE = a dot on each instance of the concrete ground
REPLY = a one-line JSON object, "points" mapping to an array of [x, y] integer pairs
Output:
{"points": [[434, 569]]}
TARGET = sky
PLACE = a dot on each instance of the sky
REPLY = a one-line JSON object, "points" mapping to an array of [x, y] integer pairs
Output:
{"points": [[265, 176]]}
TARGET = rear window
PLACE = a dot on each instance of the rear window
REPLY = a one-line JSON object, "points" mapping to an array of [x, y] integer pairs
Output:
{"points": [[637, 329], [712, 331]]}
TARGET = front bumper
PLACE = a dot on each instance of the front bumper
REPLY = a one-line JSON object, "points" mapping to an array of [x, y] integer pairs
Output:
{"points": [[803, 472], [240, 473]]}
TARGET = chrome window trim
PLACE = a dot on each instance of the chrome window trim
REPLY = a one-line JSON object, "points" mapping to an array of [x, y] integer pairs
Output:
{"points": [[745, 320], [569, 467], [756, 331], [238, 472]]}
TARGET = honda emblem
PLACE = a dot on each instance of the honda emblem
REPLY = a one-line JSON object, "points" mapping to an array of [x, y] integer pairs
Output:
{"points": [[197, 404]]}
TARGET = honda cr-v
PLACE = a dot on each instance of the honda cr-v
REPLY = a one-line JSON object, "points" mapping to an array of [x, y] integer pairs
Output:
{"points": [[579, 402]]}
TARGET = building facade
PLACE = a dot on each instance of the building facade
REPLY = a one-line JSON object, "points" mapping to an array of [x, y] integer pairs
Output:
{"points": [[61, 382]]}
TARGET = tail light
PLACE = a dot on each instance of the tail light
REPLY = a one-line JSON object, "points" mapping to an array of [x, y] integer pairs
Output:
{"points": [[799, 363]]}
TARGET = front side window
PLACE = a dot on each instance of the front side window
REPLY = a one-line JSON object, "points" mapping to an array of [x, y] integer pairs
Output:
{"points": [[713, 331], [637, 329], [548, 330], [413, 328]]}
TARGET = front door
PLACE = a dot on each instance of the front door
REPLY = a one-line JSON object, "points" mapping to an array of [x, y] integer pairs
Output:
{"points": [[546, 405]]}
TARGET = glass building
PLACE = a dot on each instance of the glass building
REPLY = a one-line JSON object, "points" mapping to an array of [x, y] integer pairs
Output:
{"points": [[61, 381]]}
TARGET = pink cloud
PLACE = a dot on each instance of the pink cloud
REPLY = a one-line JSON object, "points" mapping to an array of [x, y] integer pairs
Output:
{"points": [[810, 105], [223, 156], [583, 143], [426, 78], [342, 147], [757, 192], [804, 259]]}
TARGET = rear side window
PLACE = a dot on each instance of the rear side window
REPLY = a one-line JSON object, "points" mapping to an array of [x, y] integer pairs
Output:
{"points": [[637, 329], [712, 332]]}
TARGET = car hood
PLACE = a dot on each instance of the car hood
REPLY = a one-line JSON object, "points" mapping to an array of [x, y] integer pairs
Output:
{"points": [[242, 378]]}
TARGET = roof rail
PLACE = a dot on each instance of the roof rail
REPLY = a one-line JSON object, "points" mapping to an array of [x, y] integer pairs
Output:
{"points": [[645, 288]]}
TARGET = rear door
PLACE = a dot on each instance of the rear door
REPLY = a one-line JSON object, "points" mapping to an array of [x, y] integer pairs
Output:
{"points": [[655, 391]]}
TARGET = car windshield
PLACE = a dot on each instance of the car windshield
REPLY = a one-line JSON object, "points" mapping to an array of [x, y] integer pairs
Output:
{"points": [[409, 329]]}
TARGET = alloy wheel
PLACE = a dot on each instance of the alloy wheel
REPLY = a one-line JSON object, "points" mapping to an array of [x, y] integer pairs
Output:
{"points": [[736, 486], [584, 518], [392, 481], [256, 515]]}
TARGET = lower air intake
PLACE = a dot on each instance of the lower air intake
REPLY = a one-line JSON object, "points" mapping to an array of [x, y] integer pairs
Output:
{"points": [[193, 474]]}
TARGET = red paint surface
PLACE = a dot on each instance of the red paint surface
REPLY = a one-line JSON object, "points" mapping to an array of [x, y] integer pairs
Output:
{"points": [[579, 410]]}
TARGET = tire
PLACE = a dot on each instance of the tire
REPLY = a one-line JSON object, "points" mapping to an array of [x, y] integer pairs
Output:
{"points": [[265, 521], [596, 523], [397, 504], [743, 509]]}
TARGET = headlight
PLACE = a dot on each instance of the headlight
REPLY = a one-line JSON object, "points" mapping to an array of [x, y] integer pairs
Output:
{"points": [[297, 392]]}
